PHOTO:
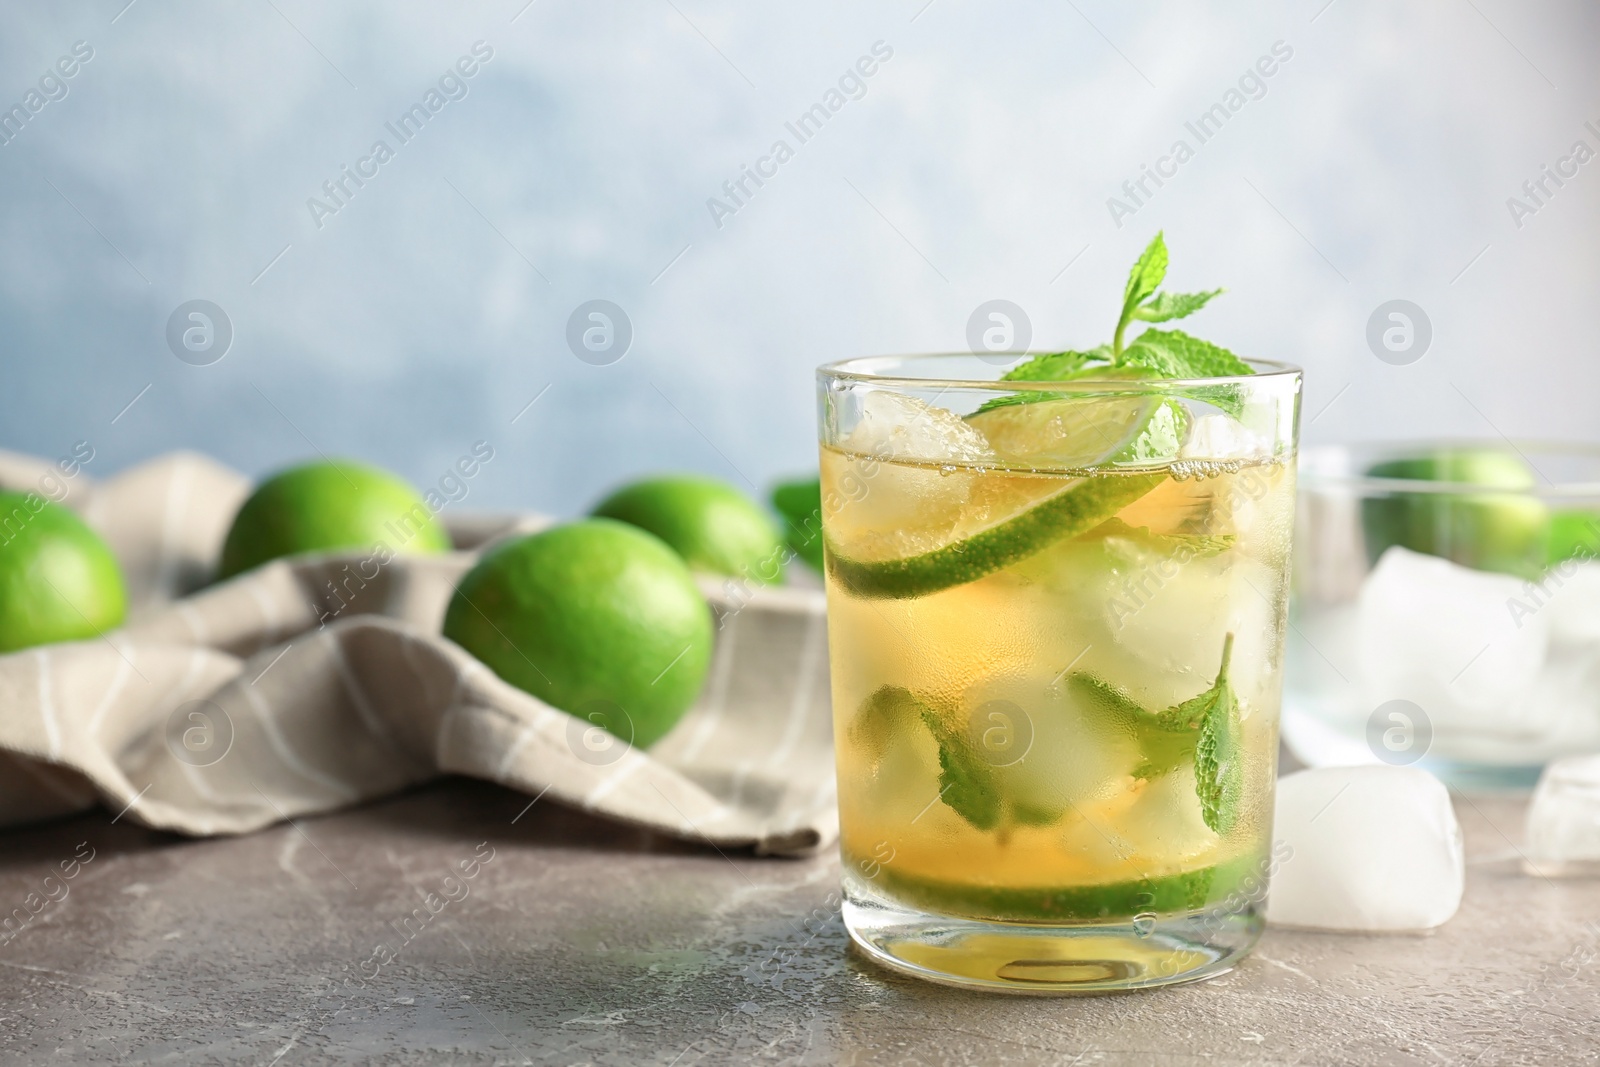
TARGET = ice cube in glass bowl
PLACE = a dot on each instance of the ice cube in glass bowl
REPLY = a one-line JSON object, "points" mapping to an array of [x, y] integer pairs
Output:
{"points": [[1441, 635]]}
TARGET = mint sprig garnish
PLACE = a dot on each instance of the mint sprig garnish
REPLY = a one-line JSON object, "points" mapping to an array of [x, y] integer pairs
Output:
{"points": [[1149, 271], [1204, 728], [1174, 353], [1164, 306], [1058, 366], [1142, 300], [1157, 353]]}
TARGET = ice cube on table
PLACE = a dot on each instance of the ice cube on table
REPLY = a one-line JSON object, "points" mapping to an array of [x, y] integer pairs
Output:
{"points": [[1445, 637], [893, 426], [1365, 849], [1563, 830]]}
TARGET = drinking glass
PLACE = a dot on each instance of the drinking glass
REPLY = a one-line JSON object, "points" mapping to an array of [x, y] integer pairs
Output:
{"points": [[1055, 616]]}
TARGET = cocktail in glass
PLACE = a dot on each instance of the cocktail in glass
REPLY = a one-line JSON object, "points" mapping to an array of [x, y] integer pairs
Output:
{"points": [[1056, 615]]}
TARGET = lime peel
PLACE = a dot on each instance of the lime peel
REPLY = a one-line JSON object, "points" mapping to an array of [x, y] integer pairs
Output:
{"points": [[1073, 511], [1183, 891]]}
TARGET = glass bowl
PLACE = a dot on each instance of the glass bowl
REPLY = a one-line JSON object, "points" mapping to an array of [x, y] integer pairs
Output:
{"points": [[1446, 608]]}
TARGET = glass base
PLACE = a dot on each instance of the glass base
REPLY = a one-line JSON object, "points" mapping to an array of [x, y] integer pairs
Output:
{"points": [[1051, 960]]}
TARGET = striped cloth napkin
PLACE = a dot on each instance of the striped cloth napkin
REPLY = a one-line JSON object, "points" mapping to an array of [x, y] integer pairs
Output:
{"points": [[296, 689]]}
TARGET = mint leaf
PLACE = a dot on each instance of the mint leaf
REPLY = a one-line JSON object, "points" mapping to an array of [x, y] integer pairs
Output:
{"points": [[1145, 278], [1204, 728], [1111, 704], [1049, 367], [883, 716], [1179, 355], [1160, 362], [966, 783], [1218, 763], [1165, 306], [1175, 354], [1029, 815], [1055, 366], [988, 796], [1166, 740]]}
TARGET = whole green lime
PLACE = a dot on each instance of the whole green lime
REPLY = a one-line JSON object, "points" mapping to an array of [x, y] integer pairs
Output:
{"points": [[321, 507], [58, 580], [713, 526], [1496, 527], [800, 504], [596, 618]]}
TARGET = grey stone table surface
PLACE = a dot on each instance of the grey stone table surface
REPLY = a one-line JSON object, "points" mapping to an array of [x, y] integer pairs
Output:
{"points": [[575, 941]]}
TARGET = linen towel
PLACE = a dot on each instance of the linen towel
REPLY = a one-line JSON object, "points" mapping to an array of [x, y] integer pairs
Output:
{"points": [[302, 687]]}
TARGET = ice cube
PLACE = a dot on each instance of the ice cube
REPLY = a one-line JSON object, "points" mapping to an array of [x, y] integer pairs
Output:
{"points": [[1222, 437], [1569, 593], [893, 426], [1446, 638], [1365, 848], [1173, 617], [1563, 832], [884, 509]]}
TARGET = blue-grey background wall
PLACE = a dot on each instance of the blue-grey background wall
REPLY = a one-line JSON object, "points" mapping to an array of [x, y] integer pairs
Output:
{"points": [[976, 162]]}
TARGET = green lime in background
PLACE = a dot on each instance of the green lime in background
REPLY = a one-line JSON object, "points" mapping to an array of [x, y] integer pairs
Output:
{"points": [[1504, 531], [597, 618], [58, 580], [800, 504], [713, 526], [320, 507], [1574, 534]]}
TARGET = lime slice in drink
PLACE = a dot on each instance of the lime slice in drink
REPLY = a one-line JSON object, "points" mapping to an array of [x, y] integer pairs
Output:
{"points": [[1037, 490], [1079, 507], [1183, 891], [1073, 433]]}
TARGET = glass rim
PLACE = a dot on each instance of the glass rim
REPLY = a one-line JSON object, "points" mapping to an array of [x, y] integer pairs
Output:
{"points": [[1316, 460], [859, 369]]}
